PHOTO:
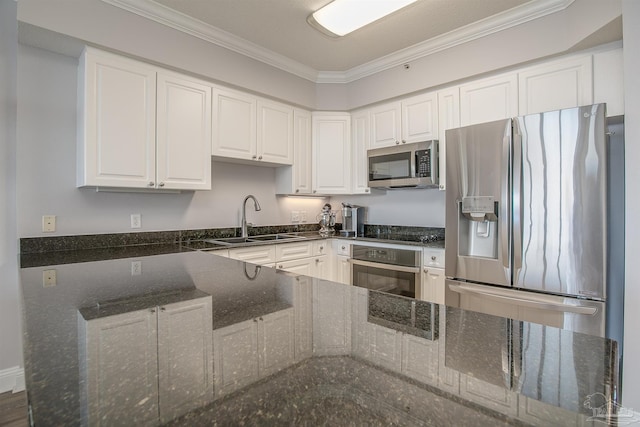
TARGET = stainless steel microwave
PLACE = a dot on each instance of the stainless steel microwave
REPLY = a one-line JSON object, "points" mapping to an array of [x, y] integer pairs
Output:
{"points": [[404, 166]]}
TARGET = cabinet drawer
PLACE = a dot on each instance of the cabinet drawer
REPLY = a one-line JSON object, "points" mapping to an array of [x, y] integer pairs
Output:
{"points": [[433, 257], [343, 248], [320, 247], [254, 254], [297, 250]]}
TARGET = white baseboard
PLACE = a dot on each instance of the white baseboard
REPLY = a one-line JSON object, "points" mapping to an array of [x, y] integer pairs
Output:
{"points": [[12, 379]]}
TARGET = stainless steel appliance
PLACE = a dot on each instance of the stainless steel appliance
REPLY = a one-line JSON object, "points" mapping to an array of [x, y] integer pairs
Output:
{"points": [[391, 270], [352, 220], [526, 218], [402, 166]]}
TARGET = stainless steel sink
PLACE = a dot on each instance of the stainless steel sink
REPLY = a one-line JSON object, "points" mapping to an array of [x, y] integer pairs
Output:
{"points": [[263, 238]]}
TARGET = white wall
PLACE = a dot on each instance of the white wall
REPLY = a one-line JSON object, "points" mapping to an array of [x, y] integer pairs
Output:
{"points": [[631, 380], [10, 316], [417, 207], [104, 25], [46, 171]]}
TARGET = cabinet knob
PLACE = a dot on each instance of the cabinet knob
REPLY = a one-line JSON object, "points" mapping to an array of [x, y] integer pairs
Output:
{"points": [[315, 191], [397, 142], [442, 186], [151, 184], [297, 190], [317, 260], [153, 310], [161, 184], [343, 247], [433, 257], [366, 190], [404, 142], [254, 157], [163, 309], [260, 158], [426, 270], [280, 266], [255, 320], [261, 319]]}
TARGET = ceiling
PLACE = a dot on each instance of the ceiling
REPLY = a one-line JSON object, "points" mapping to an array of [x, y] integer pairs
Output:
{"points": [[277, 32]]}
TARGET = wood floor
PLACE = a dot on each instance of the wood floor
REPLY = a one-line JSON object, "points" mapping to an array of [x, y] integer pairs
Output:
{"points": [[13, 409]]}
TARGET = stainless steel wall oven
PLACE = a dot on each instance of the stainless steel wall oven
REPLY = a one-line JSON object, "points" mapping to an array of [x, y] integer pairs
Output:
{"points": [[391, 270]]}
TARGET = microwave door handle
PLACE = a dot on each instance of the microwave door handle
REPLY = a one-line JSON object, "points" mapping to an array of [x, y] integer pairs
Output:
{"points": [[400, 268], [543, 305]]}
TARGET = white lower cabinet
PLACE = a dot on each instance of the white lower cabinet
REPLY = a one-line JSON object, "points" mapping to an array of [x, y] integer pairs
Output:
{"points": [[489, 395], [267, 346], [261, 255], [420, 358], [155, 362], [433, 285]]}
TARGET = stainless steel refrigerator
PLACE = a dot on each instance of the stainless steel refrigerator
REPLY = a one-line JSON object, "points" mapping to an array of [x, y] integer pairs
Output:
{"points": [[528, 219]]}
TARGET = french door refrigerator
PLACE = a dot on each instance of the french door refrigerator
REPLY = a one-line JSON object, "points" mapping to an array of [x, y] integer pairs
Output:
{"points": [[526, 224]]}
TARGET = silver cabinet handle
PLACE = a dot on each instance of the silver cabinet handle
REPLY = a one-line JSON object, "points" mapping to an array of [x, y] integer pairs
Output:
{"points": [[153, 310], [433, 257], [404, 142], [297, 190], [163, 309], [254, 157], [260, 158], [317, 260], [280, 266], [161, 184], [262, 319], [255, 320], [366, 190], [151, 184], [397, 142], [442, 186]]}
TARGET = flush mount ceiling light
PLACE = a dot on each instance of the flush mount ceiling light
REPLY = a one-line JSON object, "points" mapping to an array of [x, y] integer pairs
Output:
{"points": [[340, 17]]}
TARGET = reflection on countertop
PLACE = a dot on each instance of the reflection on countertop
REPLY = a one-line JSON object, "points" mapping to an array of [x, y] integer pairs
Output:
{"points": [[285, 347]]}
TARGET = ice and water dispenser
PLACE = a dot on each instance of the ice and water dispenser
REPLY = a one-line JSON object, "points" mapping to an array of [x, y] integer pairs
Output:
{"points": [[478, 227]]}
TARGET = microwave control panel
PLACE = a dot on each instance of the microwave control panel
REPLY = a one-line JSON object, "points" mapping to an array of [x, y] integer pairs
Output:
{"points": [[423, 163]]}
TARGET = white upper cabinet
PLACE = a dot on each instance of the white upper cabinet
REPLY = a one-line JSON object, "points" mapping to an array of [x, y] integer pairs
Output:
{"points": [[360, 145], [331, 153], [234, 124], [117, 122], [183, 133], [141, 127], [251, 129], [420, 118], [554, 85], [489, 99], [275, 132], [448, 118], [386, 124], [608, 81], [296, 179], [410, 120]]}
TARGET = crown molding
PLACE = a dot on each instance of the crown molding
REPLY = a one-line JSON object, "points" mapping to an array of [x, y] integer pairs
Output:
{"points": [[194, 27], [493, 24]]}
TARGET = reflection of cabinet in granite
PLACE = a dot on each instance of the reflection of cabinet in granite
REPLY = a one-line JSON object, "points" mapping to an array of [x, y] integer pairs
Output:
{"points": [[145, 366], [399, 351], [247, 351]]}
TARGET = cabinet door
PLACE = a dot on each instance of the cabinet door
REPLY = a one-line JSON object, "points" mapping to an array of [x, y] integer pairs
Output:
{"points": [[117, 123], [256, 254], [420, 359], [322, 267], [448, 118], [185, 356], [275, 132], [303, 266], [359, 160], [489, 99], [276, 342], [342, 270], [433, 285], [386, 125], [291, 251], [233, 372], [113, 392], [608, 80], [302, 152], [331, 143], [234, 125], [489, 395], [420, 118], [331, 319], [184, 133], [554, 85]]}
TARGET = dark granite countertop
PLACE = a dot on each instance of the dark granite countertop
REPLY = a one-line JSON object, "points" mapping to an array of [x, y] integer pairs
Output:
{"points": [[318, 353]]}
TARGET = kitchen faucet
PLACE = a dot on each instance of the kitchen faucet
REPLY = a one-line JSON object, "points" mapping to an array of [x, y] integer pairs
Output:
{"points": [[257, 207]]}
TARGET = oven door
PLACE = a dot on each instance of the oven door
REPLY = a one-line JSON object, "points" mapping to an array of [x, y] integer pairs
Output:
{"points": [[393, 279]]}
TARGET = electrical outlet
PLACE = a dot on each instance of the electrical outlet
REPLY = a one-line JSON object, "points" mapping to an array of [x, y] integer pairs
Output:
{"points": [[49, 223], [49, 278], [303, 216], [295, 216], [136, 221], [136, 268]]}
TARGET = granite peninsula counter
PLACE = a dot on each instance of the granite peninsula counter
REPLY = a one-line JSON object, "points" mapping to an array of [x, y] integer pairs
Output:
{"points": [[184, 337]]}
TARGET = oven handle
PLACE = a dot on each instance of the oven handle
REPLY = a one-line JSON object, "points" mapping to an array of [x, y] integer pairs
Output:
{"points": [[401, 268]]}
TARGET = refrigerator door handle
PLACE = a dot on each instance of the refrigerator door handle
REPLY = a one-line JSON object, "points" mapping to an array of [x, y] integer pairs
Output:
{"points": [[506, 202], [543, 305], [517, 201]]}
